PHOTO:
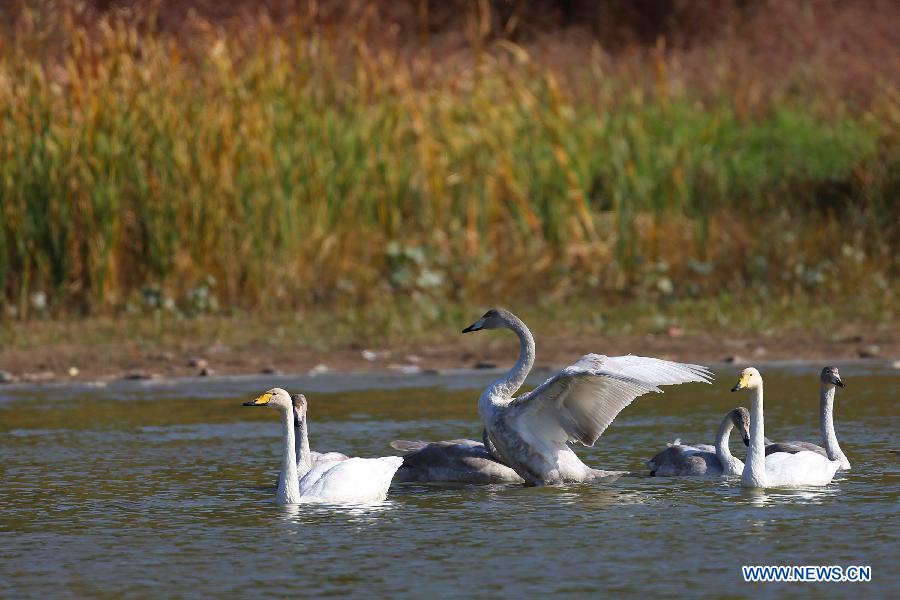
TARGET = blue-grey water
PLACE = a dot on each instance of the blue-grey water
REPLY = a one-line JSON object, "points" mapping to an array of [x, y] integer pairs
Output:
{"points": [[165, 489]]}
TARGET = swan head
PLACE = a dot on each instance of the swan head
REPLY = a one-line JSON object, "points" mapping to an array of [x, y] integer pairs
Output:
{"points": [[492, 319], [276, 397], [740, 417], [750, 380], [831, 378], [299, 402]]}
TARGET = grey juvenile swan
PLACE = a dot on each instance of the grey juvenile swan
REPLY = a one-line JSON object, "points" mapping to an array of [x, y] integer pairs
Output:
{"points": [[829, 380], [531, 432], [465, 461], [703, 460]]}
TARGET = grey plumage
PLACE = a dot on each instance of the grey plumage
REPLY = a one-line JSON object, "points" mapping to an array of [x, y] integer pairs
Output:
{"points": [[461, 460], [794, 447], [699, 460]]}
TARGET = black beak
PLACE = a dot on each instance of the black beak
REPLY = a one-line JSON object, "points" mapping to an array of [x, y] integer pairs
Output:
{"points": [[473, 327], [746, 439], [837, 381], [736, 387], [251, 403]]}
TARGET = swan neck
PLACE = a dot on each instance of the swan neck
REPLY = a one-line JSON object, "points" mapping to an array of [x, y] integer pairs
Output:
{"points": [[289, 482], [754, 474], [506, 386], [826, 424], [723, 437], [304, 456]]}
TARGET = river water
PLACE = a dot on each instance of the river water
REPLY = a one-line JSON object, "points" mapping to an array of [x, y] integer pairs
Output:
{"points": [[141, 489]]}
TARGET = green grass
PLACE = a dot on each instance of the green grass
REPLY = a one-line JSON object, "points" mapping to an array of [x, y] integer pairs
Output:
{"points": [[275, 169]]}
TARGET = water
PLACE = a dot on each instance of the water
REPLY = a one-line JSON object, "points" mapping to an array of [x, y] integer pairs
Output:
{"points": [[161, 489]]}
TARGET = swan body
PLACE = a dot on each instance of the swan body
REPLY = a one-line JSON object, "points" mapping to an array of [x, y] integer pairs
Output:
{"points": [[703, 460], [531, 432], [779, 469], [351, 480], [465, 461], [829, 381]]}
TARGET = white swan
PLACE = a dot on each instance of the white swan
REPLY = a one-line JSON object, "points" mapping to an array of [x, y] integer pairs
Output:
{"points": [[699, 460], [465, 461], [306, 458], [301, 430], [829, 380], [780, 469], [351, 480], [530, 433]]}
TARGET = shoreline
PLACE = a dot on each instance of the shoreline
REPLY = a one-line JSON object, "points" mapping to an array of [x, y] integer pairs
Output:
{"points": [[83, 364], [368, 381]]}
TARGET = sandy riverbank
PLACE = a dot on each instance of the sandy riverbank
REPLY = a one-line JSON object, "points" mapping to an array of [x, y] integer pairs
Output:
{"points": [[71, 361]]}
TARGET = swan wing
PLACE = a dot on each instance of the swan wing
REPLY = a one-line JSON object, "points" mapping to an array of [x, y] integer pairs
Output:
{"points": [[451, 460], [328, 456], [318, 470], [423, 454], [684, 461], [352, 480], [801, 468], [413, 446], [704, 448], [794, 447], [651, 370], [583, 399]]}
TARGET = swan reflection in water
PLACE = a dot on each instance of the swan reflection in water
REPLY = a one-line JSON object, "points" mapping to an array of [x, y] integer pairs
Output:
{"points": [[361, 514], [779, 496]]}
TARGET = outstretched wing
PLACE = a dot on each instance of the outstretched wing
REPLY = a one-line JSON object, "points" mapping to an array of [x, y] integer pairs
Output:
{"points": [[583, 399], [651, 370]]}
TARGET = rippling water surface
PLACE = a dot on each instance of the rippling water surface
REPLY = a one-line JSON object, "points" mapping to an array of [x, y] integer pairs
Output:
{"points": [[150, 489]]}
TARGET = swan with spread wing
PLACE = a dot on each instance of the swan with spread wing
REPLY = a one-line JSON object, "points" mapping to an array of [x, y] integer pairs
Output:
{"points": [[531, 433]]}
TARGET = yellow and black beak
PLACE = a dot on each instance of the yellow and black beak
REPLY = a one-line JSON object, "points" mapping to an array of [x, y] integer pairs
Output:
{"points": [[260, 401], [742, 383]]}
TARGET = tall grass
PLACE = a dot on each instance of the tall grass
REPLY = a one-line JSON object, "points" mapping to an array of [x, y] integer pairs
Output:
{"points": [[279, 167]]}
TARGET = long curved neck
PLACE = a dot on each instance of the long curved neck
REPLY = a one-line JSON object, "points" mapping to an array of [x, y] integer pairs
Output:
{"points": [[507, 385], [304, 457], [723, 452], [754, 474], [826, 425], [289, 483]]}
